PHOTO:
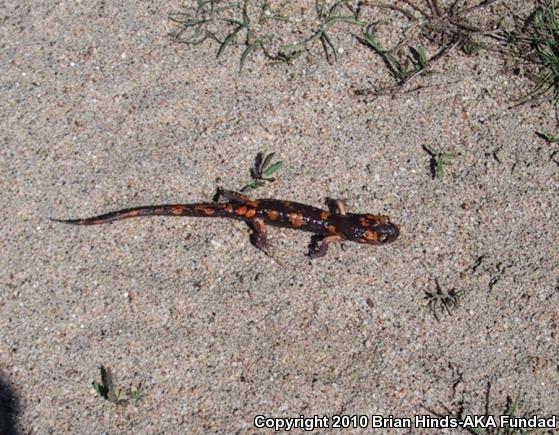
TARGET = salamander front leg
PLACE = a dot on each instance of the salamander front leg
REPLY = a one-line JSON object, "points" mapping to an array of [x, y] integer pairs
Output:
{"points": [[316, 251], [336, 206]]}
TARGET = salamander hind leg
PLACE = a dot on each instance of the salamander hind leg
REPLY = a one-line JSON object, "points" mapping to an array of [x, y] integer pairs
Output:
{"points": [[316, 251], [259, 238], [259, 235], [230, 195]]}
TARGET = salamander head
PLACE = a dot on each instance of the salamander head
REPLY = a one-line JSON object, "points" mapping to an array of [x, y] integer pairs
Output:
{"points": [[371, 229]]}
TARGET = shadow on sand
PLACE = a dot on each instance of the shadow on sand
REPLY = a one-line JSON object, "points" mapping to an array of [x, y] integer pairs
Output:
{"points": [[9, 408]]}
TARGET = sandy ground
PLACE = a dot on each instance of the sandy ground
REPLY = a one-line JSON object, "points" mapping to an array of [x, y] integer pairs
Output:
{"points": [[101, 110]]}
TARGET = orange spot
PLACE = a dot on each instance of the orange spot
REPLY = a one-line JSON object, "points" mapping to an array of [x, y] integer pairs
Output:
{"points": [[324, 215], [229, 208], [371, 235], [296, 219], [241, 210], [176, 210], [250, 213], [273, 215], [332, 229], [209, 211]]}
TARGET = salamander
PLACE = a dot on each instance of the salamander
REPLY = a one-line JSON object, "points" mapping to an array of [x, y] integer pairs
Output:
{"points": [[328, 226]]}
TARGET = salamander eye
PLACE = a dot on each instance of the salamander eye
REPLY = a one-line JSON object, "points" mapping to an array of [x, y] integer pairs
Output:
{"points": [[382, 237]]}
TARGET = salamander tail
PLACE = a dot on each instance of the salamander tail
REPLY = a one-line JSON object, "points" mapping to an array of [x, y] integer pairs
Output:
{"points": [[197, 210]]}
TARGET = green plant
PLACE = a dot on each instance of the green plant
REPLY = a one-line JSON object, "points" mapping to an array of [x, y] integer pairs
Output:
{"points": [[472, 48], [401, 70], [327, 17], [193, 28], [108, 391], [511, 409], [439, 160], [448, 27], [262, 171], [447, 24], [224, 21], [136, 394], [548, 137], [440, 302], [540, 39], [513, 406]]}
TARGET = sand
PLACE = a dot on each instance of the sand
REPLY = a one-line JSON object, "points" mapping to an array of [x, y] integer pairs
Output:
{"points": [[102, 110]]}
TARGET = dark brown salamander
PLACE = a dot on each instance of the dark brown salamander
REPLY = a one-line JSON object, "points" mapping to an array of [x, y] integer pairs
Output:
{"points": [[328, 226]]}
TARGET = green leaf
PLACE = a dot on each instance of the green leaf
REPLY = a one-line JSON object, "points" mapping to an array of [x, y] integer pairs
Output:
{"points": [[106, 388], [252, 185], [246, 18], [227, 40], [372, 41], [471, 48], [549, 138], [101, 389], [291, 51], [268, 160], [246, 52], [136, 394], [430, 149], [420, 57], [272, 169]]}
